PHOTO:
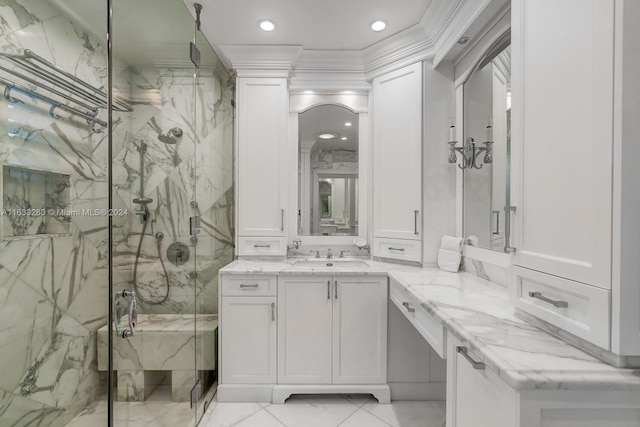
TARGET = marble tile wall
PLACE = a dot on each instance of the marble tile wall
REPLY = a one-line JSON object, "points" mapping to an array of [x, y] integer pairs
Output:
{"points": [[198, 168], [54, 290]]}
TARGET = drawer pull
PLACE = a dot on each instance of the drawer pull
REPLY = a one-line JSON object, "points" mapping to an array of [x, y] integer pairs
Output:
{"points": [[243, 286], [409, 309], [463, 351], [273, 311], [415, 222], [335, 284], [559, 304], [261, 246], [328, 289], [396, 249]]}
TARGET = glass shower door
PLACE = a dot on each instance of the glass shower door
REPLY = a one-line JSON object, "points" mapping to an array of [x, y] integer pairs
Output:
{"points": [[154, 250]]}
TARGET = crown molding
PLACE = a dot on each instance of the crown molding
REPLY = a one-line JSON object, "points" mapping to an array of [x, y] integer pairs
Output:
{"points": [[254, 59]]}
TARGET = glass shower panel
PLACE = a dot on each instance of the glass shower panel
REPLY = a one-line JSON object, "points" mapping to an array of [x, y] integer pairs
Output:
{"points": [[213, 190], [53, 243], [154, 180]]}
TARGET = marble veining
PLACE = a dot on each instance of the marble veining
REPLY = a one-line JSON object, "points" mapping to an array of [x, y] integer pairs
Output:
{"points": [[478, 313]]}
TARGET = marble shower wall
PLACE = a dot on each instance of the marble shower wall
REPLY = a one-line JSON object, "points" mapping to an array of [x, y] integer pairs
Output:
{"points": [[198, 168], [54, 290]]}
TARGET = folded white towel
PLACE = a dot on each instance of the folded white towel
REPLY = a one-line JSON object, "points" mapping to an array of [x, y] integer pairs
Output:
{"points": [[449, 260], [451, 243]]}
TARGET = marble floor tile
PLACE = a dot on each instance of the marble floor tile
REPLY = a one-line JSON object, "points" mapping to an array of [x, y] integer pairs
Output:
{"points": [[409, 414], [363, 418], [259, 419], [229, 414], [320, 412]]}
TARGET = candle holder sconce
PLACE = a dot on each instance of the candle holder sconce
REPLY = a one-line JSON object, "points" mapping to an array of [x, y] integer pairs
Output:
{"points": [[470, 153]]}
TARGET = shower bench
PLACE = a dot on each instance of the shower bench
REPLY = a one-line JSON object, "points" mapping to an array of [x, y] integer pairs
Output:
{"points": [[162, 342]]}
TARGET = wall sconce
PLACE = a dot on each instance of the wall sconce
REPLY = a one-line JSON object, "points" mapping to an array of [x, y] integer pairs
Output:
{"points": [[470, 151]]}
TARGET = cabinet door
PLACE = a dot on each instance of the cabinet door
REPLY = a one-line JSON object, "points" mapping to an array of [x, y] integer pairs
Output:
{"points": [[304, 329], [360, 330], [477, 397], [248, 340], [563, 137], [262, 135], [397, 153]]}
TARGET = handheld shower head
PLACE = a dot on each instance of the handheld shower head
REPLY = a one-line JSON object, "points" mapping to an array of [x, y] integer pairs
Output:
{"points": [[171, 136]]}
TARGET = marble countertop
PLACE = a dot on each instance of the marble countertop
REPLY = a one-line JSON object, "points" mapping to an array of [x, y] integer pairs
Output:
{"points": [[479, 314]]}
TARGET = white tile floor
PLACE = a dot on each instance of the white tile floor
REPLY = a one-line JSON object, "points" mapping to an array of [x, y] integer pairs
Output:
{"points": [[326, 411]]}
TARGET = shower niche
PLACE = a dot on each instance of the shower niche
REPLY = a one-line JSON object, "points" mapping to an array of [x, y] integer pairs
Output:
{"points": [[35, 203]]}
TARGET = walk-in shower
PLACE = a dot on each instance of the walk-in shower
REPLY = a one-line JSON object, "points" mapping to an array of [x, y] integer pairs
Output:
{"points": [[142, 152]]}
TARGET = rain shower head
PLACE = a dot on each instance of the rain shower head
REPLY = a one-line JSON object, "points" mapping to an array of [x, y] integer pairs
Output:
{"points": [[171, 136]]}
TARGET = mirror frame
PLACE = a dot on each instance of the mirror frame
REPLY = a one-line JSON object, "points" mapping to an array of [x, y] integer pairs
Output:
{"points": [[463, 70], [357, 102]]}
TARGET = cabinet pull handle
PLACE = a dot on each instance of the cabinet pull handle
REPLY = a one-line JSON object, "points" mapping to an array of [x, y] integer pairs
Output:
{"points": [[507, 229], [463, 351], [555, 303], [335, 286], [273, 311], [409, 309], [497, 222], [415, 222], [261, 246], [242, 285], [281, 219], [328, 289], [396, 249]]}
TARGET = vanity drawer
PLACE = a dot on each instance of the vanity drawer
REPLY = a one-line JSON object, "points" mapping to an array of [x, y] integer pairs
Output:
{"points": [[265, 246], [583, 310], [249, 285], [428, 326], [401, 249]]}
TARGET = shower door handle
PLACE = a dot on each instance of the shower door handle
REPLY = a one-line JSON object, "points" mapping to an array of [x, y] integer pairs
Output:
{"points": [[415, 222], [497, 231], [281, 219], [273, 311]]}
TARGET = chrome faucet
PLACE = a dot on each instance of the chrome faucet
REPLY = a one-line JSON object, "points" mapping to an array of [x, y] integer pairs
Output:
{"points": [[317, 253], [342, 253], [329, 254]]}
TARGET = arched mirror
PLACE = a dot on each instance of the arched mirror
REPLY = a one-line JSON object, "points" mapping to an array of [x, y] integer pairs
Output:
{"points": [[328, 139], [487, 125]]}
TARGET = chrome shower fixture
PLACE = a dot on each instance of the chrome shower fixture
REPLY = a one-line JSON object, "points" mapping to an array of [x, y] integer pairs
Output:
{"points": [[171, 136]]}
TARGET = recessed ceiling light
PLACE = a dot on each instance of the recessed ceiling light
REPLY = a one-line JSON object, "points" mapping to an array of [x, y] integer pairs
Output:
{"points": [[378, 25], [327, 135], [267, 25], [344, 138], [348, 124]]}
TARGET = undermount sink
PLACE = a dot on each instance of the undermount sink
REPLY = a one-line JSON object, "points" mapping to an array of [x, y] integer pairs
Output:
{"points": [[330, 263]]}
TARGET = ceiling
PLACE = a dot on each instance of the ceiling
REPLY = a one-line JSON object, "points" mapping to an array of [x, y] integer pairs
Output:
{"points": [[312, 24]]}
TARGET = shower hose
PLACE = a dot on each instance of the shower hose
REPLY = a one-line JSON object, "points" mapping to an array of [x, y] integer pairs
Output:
{"points": [[135, 265]]}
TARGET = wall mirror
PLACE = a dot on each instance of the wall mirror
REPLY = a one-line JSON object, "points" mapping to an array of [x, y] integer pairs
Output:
{"points": [[487, 117], [328, 184]]}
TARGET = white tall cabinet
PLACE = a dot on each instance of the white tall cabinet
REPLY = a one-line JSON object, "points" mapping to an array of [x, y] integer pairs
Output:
{"points": [[575, 123], [397, 164], [263, 109]]}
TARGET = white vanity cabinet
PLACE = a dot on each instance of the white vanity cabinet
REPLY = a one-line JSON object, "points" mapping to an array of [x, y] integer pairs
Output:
{"points": [[263, 109], [576, 190], [332, 330], [476, 396], [397, 164], [247, 337]]}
